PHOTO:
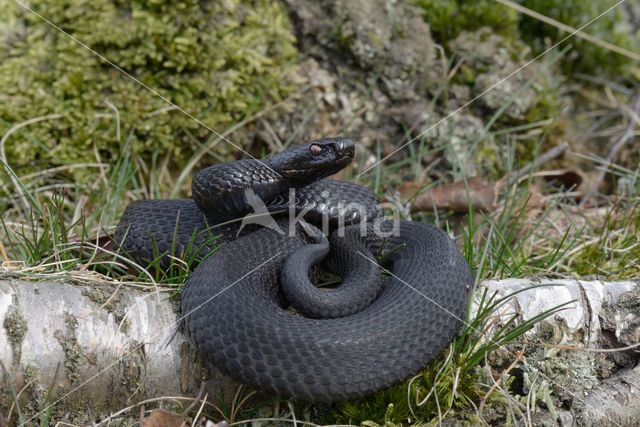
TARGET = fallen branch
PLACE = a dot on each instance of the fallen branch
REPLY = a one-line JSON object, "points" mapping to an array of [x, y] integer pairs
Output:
{"points": [[92, 351]]}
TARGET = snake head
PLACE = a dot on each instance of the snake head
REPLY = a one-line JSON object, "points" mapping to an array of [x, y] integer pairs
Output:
{"points": [[315, 159]]}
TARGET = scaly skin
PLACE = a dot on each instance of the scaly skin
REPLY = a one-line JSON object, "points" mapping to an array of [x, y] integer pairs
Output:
{"points": [[343, 344]]}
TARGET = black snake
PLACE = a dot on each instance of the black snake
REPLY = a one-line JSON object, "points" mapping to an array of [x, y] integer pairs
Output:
{"points": [[251, 308]]}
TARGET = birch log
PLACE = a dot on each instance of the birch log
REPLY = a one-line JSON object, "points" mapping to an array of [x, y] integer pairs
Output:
{"points": [[98, 348], [94, 348]]}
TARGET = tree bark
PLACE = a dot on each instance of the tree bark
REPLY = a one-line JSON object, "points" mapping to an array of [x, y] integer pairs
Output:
{"points": [[96, 348], [93, 348]]}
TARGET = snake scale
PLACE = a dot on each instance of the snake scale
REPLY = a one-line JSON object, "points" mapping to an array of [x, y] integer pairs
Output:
{"points": [[251, 308]]}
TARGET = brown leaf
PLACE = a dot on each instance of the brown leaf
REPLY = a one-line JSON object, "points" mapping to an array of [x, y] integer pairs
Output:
{"points": [[163, 418], [457, 196]]}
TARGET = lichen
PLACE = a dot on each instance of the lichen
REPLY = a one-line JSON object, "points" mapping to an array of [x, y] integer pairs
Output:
{"points": [[16, 327], [381, 38], [35, 391], [102, 296], [132, 368], [489, 60], [499, 98], [219, 61], [627, 314], [570, 374], [631, 301], [73, 352]]}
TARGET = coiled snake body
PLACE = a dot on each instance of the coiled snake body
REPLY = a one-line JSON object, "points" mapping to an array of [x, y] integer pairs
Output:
{"points": [[250, 307]]}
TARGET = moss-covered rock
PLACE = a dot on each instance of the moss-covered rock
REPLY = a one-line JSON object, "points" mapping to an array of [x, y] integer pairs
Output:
{"points": [[489, 62], [219, 61], [370, 66], [383, 39]]}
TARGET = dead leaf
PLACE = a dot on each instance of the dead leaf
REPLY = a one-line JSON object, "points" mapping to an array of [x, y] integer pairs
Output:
{"points": [[581, 184], [163, 418], [457, 196]]}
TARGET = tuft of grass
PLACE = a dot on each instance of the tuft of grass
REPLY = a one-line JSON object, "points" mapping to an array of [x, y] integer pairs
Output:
{"points": [[454, 384], [45, 237], [45, 229], [181, 265], [46, 243], [615, 252]]}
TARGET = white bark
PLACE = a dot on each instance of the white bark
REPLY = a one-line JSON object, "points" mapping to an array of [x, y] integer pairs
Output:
{"points": [[597, 309], [114, 347], [614, 402], [92, 352]]}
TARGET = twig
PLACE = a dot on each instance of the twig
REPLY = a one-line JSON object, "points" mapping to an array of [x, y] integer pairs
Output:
{"points": [[195, 419], [569, 29], [196, 400]]}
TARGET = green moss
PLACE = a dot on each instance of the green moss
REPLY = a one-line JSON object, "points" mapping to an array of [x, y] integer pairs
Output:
{"points": [[220, 61], [449, 18], [409, 403], [586, 56]]}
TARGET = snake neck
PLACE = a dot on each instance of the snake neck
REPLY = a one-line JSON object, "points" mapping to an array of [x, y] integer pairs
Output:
{"points": [[231, 190]]}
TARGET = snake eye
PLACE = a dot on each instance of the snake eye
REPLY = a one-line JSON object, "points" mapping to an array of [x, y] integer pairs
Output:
{"points": [[315, 149]]}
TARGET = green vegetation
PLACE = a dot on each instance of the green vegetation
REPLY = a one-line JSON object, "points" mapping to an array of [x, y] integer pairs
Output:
{"points": [[613, 252], [587, 57], [449, 18], [219, 61], [54, 236], [455, 383]]}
